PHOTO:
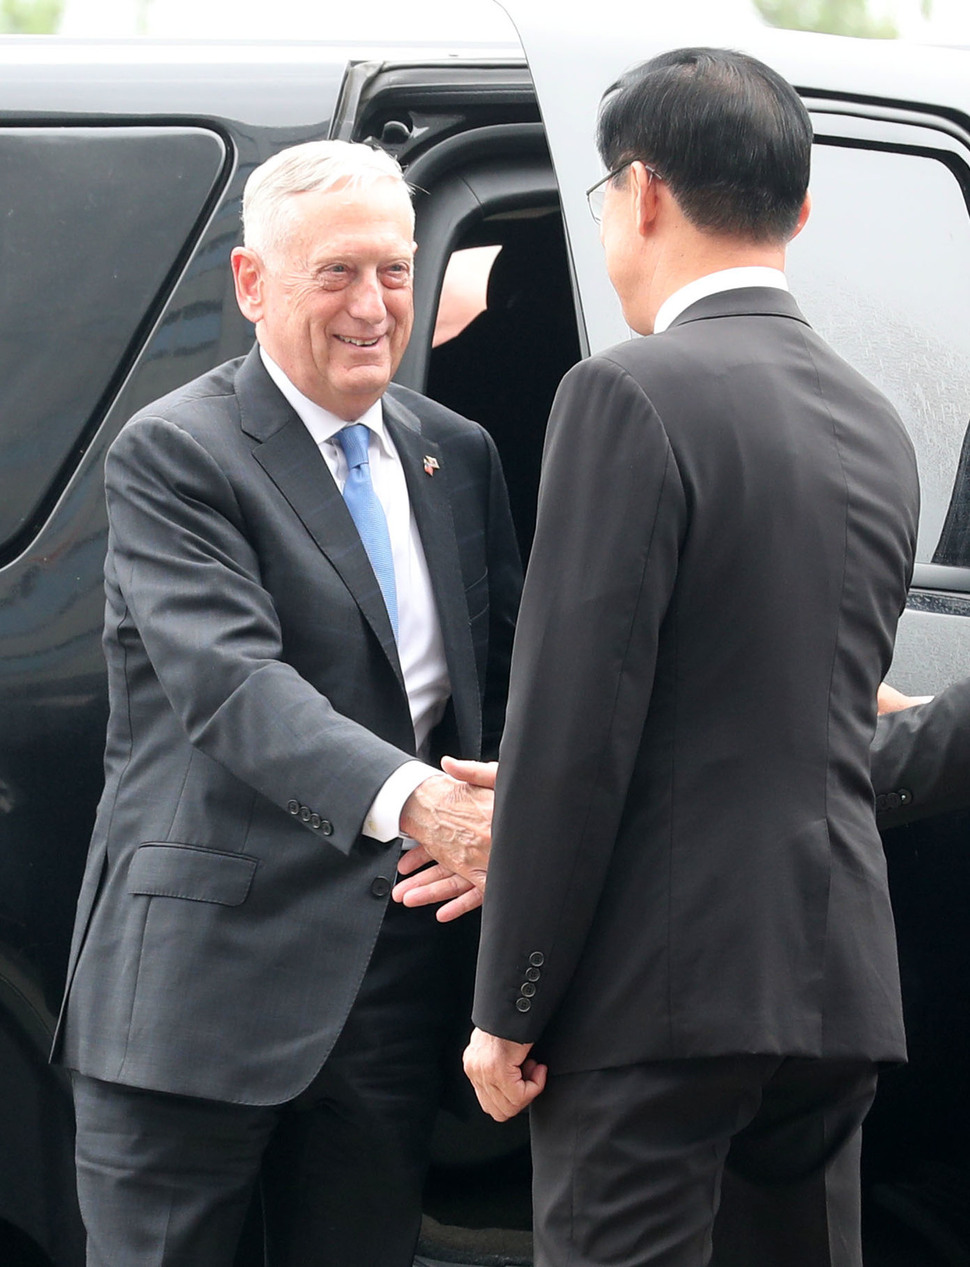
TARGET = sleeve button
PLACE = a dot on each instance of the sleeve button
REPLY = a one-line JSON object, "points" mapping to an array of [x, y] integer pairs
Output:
{"points": [[527, 989], [532, 974], [537, 959], [326, 827], [315, 821], [523, 1005], [293, 807]]}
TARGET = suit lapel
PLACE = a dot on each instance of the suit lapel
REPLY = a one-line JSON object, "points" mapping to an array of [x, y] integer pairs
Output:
{"points": [[431, 507], [288, 454]]}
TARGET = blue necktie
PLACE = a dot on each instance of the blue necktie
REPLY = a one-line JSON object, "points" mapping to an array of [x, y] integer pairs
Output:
{"points": [[368, 513]]}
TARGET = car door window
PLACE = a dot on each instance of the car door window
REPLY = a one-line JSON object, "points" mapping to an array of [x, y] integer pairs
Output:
{"points": [[94, 222], [881, 271]]}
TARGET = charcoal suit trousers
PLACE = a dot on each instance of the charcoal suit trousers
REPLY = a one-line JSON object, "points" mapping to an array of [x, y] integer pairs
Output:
{"points": [[633, 1163], [166, 1181]]}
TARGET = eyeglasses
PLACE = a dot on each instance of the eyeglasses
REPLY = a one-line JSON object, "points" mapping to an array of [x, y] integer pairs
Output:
{"points": [[596, 194]]}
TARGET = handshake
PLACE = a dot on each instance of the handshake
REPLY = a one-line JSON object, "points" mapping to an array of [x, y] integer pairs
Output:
{"points": [[450, 817]]}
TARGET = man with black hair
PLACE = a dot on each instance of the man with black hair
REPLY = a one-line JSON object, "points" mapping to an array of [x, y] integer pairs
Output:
{"points": [[688, 964]]}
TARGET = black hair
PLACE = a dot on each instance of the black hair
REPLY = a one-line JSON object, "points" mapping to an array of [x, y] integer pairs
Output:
{"points": [[729, 135]]}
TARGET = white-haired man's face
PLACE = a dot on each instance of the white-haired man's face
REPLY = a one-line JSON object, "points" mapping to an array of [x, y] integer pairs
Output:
{"points": [[334, 304]]}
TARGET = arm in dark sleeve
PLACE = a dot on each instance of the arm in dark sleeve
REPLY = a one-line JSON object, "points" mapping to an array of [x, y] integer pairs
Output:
{"points": [[601, 574], [190, 581], [505, 589], [921, 758]]}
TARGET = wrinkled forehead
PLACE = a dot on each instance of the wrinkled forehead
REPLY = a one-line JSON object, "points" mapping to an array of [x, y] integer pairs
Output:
{"points": [[360, 207]]}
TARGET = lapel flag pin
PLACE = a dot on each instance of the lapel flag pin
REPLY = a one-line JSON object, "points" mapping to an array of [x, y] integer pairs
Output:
{"points": [[430, 464]]}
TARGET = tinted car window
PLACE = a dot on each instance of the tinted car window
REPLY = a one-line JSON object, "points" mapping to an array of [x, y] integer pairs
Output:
{"points": [[881, 271], [92, 225]]}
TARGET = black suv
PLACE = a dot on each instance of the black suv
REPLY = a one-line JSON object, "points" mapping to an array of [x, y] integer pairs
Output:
{"points": [[121, 172]]}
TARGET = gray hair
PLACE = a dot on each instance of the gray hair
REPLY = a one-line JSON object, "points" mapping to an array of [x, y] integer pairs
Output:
{"points": [[314, 167]]}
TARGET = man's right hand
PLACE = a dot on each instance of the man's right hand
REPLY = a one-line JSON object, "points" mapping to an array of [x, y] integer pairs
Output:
{"points": [[451, 818]]}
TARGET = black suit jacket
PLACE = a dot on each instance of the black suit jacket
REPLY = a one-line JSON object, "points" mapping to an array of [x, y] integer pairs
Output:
{"points": [[230, 905], [685, 860], [921, 758]]}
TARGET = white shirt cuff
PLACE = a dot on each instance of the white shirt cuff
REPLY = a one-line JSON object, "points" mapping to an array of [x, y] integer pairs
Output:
{"points": [[383, 821]]}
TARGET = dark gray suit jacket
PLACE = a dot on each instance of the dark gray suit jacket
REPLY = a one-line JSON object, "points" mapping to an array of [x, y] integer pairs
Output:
{"points": [[685, 860], [230, 905], [921, 758]]}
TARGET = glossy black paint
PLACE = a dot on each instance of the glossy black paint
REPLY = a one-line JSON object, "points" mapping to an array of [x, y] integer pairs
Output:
{"points": [[73, 197]]}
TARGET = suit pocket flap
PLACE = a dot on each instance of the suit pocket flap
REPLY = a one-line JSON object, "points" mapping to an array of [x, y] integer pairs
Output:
{"points": [[187, 871]]}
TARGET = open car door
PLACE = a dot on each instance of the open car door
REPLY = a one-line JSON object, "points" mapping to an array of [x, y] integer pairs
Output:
{"points": [[880, 270]]}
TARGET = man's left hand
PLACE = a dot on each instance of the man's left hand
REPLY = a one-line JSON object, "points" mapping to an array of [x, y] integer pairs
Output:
{"points": [[434, 884], [505, 1079]]}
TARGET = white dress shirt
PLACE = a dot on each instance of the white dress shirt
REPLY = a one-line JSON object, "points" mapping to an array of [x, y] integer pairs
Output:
{"points": [[714, 284], [419, 643]]}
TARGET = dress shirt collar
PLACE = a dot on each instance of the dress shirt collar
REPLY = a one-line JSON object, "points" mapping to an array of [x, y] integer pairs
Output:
{"points": [[713, 284], [321, 423]]}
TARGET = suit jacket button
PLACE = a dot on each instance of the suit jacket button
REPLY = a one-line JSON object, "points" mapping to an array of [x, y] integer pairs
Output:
{"points": [[380, 886], [293, 807], [315, 821], [537, 959], [527, 989], [304, 814], [523, 1005], [532, 974], [326, 827]]}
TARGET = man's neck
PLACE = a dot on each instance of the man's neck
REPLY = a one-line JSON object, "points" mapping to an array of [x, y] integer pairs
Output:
{"points": [[676, 268], [740, 277]]}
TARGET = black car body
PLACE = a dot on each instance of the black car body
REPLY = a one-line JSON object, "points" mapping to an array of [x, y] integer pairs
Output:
{"points": [[121, 173]]}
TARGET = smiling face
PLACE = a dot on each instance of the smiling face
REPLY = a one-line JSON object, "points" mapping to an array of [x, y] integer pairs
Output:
{"points": [[333, 305]]}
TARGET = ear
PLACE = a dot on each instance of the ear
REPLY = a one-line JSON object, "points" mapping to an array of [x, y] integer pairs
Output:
{"points": [[803, 215], [247, 274], [644, 189]]}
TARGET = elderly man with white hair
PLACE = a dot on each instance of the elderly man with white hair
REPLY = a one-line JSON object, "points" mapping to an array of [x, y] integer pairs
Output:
{"points": [[311, 583]]}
